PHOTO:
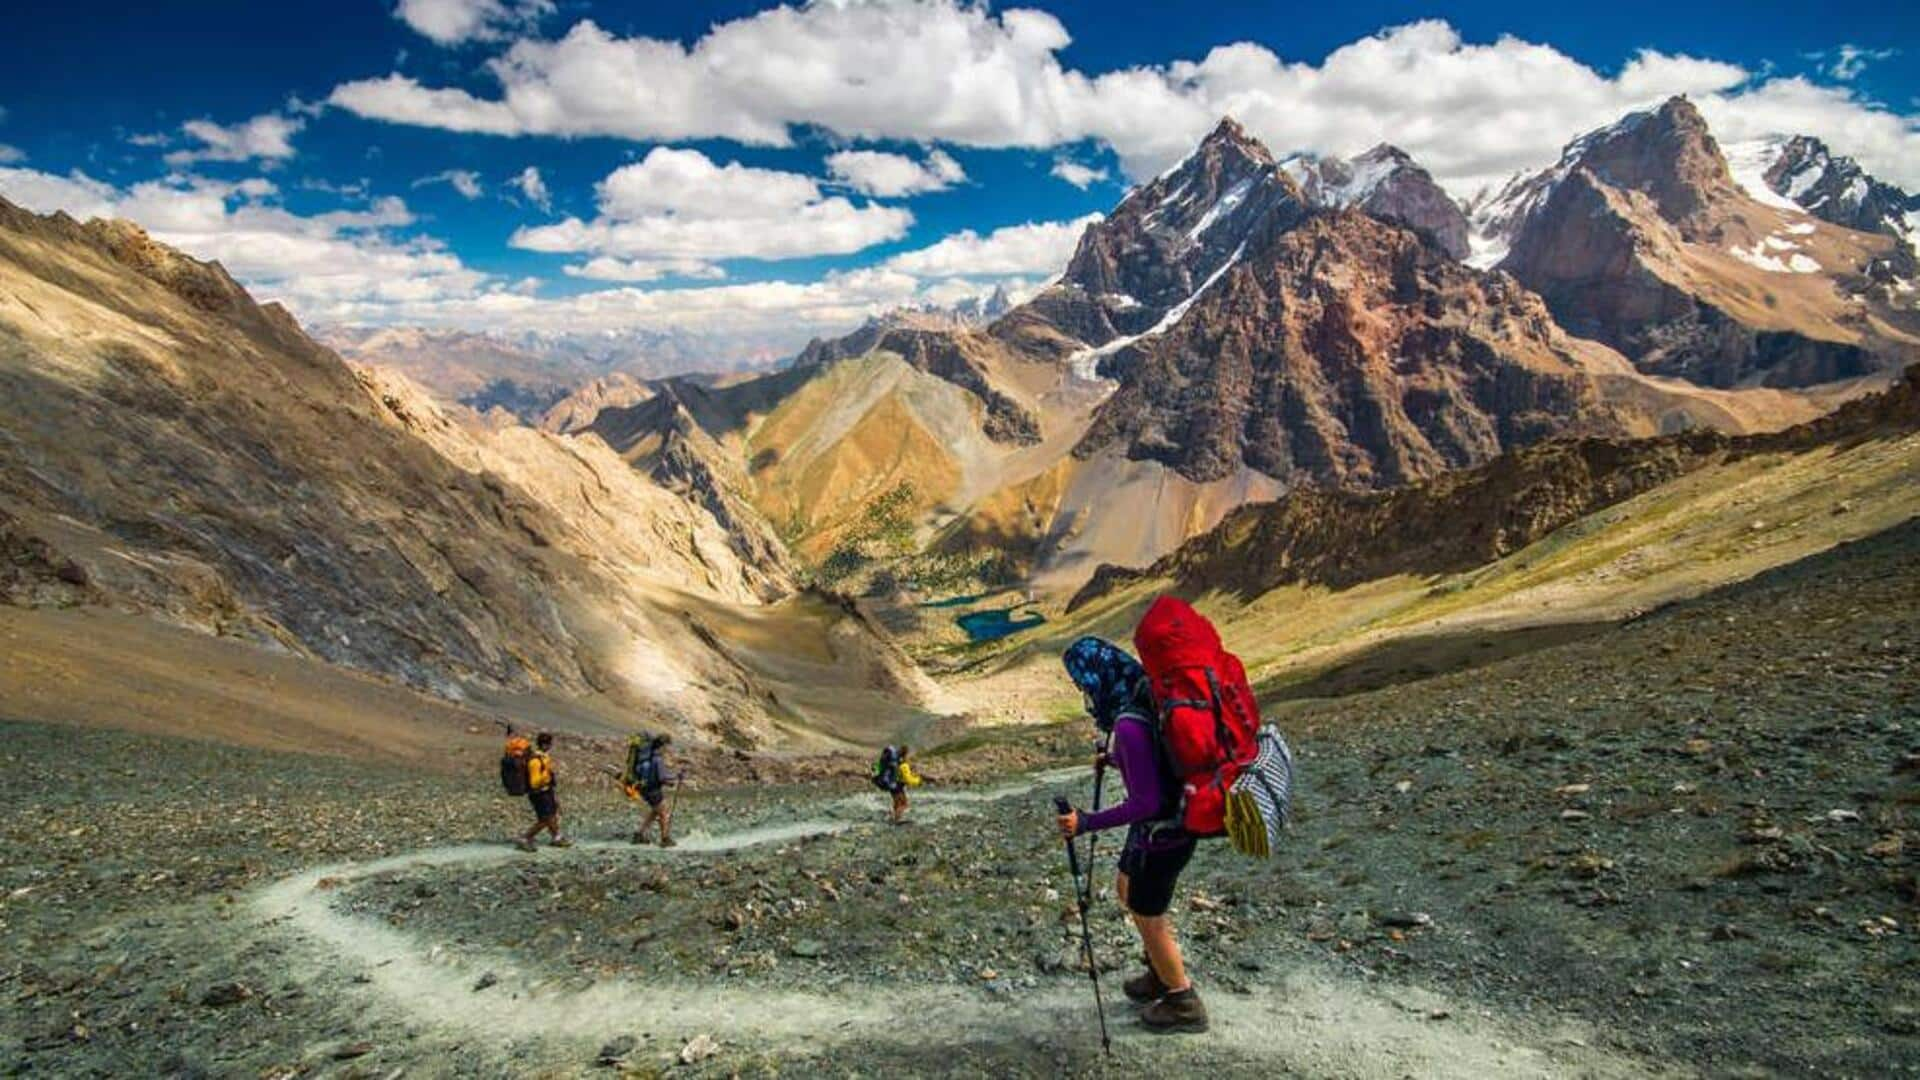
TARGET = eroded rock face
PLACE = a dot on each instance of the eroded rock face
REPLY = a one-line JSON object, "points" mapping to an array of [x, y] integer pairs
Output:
{"points": [[577, 411], [661, 437], [1346, 350], [1670, 157]]}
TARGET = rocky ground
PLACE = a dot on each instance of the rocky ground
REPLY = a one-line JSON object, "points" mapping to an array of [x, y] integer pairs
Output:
{"points": [[1686, 845]]}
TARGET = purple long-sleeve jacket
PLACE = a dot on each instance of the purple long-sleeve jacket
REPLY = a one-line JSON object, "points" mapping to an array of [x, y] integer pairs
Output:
{"points": [[1150, 789]]}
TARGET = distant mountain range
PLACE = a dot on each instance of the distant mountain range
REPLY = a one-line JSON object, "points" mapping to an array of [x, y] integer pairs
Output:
{"points": [[527, 373], [1240, 325]]}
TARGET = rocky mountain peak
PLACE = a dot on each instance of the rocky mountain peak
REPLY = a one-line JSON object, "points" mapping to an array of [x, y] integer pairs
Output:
{"points": [[1343, 350], [1228, 135], [1168, 239], [1668, 155]]}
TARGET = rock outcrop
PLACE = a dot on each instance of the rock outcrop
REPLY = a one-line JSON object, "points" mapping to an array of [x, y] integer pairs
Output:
{"points": [[1835, 188], [662, 439]]}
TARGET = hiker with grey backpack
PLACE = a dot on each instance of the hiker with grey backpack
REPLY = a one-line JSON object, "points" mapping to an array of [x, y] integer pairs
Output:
{"points": [[646, 775], [1183, 729]]}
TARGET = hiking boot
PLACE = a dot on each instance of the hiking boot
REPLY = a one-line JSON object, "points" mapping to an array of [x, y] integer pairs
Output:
{"points": [[1144, 988], [525, 844], [668, 841], [563, 841], [639, 838], [1179, 1012]]}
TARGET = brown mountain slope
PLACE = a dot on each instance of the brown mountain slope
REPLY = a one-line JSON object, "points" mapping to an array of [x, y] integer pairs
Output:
{"points": [[1460, 520], [170, 447], [962, 355], [660, 438], [577, 411]]}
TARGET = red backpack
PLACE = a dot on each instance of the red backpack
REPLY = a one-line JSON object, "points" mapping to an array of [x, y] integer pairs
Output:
{"points": [[1208, 718]]}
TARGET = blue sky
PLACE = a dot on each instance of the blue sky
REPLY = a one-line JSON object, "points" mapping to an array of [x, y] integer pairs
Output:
{"points": [[686, 155]]}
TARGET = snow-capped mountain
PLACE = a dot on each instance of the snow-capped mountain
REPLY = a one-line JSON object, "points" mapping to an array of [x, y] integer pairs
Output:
{"points": [[1496, 215], [1641, 238], [1800, 172], [1136, 271], [1387, 183]]}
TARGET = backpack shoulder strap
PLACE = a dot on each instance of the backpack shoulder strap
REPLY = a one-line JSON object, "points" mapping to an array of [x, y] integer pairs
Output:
{"points": [[1222, 730]]}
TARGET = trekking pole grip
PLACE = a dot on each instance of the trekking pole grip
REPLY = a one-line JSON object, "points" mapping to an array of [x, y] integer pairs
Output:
{"points": [[1062, 807]]}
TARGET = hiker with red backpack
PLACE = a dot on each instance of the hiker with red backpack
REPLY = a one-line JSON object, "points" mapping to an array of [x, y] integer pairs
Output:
{"points": [[1185, 731], [1157, 846]]}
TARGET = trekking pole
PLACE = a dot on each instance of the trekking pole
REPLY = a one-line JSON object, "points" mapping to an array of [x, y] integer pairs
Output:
{"points": [[1099, 779], [1061, 805]]}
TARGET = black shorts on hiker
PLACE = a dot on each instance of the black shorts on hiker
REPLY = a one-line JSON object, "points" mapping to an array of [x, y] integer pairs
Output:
{"points": [[545, 803], [653, 796], [1152, 872]]}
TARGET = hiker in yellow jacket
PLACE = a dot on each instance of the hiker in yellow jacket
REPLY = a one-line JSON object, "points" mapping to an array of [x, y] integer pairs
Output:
{"points": [[542, 792]]}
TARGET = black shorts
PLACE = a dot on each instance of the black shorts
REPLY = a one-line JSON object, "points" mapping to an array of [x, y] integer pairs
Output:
{"points": [[1152, 872], [653, 796], [545, 803]]}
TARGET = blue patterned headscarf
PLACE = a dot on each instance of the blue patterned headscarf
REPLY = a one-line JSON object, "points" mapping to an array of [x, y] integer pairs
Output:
{"points": [[1112, 680]]}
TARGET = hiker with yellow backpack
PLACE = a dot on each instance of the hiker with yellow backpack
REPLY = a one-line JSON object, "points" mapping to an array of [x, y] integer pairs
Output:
{"points": [[893, 773], [527, 769]]}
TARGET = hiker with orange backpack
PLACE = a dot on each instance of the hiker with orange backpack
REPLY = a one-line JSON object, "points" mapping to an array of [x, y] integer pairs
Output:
{"points": [[528, 770], [1157, 846]]}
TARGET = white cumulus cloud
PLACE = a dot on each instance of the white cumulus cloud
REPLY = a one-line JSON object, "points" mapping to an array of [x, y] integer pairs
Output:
{"points": [[944, 71], [873, 172], [534, 187], [451, 22], [679, 204], [1848, 61], [603, 268], [267, 137], [1080, 176], [1041, 247], [11, 154], [319, 265]]}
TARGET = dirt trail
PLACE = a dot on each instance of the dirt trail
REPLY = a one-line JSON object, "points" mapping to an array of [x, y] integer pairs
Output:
{"points": [[1312, 1023]]}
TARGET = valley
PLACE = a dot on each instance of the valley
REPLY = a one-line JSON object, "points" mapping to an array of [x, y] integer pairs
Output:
{"points": [[1571, 532]]}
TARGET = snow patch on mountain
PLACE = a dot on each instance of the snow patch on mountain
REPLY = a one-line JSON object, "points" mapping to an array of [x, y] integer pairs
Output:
{"points": [[1788, 260], [1221, 207], [1749, 162], [1085, 364]]}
